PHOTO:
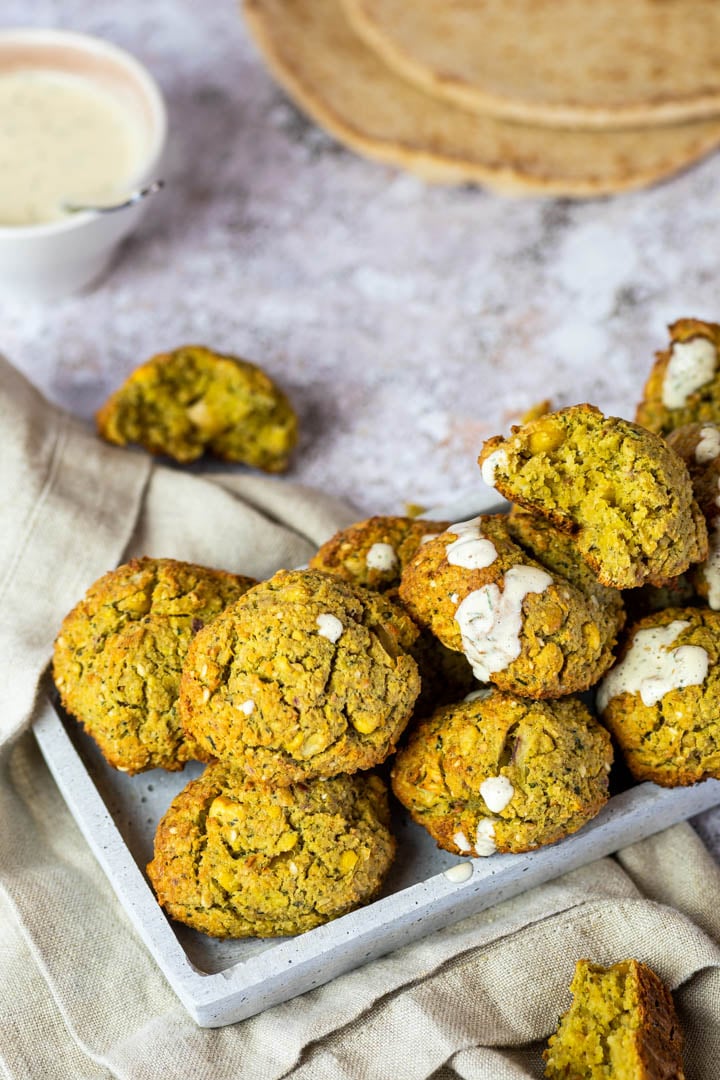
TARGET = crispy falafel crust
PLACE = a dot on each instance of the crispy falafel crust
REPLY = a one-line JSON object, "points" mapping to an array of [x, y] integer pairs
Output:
{"points": [[234, 859]]}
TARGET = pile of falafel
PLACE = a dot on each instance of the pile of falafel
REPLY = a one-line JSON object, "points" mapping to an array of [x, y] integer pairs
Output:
{"points": [[496, 665]]}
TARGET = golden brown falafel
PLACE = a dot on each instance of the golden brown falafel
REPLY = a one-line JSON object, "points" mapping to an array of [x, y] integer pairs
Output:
{"points": [[526, 630], [120, 651], [699, 447], [684, 384], [234, 859], [661, 699], [501, 773], [305, 676], [375, 552]]}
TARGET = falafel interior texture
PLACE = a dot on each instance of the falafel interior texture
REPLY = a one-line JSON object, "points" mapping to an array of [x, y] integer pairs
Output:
{"points": [[192, 400], [621, 490], [234, 859], [622, 1025]]}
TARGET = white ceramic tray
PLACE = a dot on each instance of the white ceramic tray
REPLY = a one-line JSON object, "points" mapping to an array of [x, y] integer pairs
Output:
{"points": [[220, 982]]}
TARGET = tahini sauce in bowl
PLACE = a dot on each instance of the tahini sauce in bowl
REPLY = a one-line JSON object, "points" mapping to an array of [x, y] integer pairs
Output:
{"points": [[81, 122], [64, 139]]}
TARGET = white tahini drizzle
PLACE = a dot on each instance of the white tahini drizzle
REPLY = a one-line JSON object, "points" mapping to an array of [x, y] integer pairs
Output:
{"points": [[692, 365], [651, 668], [479, 695], [708, 446], [498, 459], [471, 550], [382, 557], [711, 566], [490, 621], [461, 842], [496, 791], [485, 837], [329, 626], [459, 872]]}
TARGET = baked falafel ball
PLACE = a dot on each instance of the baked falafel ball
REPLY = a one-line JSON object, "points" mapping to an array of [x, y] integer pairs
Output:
{"points": [[307, 675], [375, 552], [191, 400], [684, 384], [661, 700], [120, 651], [501, 773], [528, 631], [620, 490], [234, 859]]}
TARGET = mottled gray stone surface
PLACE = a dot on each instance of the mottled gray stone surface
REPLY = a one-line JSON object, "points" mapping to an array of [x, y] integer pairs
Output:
{"points": [[407, 322]]}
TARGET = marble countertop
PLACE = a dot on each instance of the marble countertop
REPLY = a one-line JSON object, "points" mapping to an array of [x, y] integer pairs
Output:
{"points": [[407, 322]]}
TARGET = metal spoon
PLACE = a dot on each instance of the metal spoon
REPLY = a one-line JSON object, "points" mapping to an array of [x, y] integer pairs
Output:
{"points": [[136, 196]]}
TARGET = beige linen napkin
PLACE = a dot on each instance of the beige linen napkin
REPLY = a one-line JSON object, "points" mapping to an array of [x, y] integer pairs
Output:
{"points": [[81, 998]]}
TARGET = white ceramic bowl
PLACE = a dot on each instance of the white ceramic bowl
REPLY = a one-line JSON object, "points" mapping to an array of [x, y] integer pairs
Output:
{"points": [[55, 259]]}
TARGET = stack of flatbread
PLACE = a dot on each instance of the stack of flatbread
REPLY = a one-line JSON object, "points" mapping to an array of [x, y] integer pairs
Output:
{"points": [[556, 97]]}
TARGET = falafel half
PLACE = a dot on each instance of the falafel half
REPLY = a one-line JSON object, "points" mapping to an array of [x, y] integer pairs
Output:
{"points": [[191, 400], [619, 490], [622, 1023]]}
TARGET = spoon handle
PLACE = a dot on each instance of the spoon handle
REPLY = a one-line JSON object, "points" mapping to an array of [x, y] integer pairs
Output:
{"points": [[136, 196]]}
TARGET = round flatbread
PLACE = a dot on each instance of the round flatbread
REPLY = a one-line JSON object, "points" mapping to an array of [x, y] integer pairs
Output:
{"points": [[340, 83], [615, 64]]}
